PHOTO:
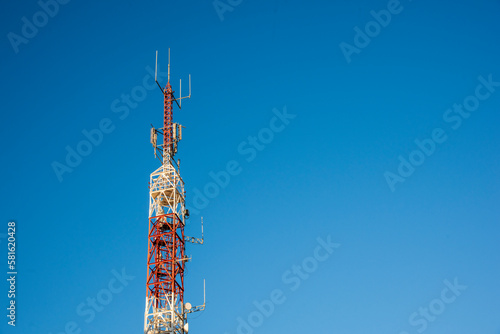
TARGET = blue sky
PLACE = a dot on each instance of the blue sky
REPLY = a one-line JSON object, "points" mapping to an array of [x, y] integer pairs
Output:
{"points": [[415, 229]]}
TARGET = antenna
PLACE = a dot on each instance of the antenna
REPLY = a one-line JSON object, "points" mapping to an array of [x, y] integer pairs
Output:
{"points": [[196, 240], [156, 73], [163, 90], [180, 92], [156, 66], [191, 309]]}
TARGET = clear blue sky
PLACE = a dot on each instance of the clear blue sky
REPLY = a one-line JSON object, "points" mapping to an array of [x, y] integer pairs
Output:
{"points": [[328, 171]]}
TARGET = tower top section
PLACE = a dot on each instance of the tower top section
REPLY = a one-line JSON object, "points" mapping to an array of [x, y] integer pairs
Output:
{"points": [[171, 132]]}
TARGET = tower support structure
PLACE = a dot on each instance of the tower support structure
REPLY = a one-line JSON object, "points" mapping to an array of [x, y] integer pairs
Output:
{"points": [[166, 310]]}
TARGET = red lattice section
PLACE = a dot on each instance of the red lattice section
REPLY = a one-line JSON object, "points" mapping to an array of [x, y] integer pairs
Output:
{"points": [[166, 259], [167, 119]]}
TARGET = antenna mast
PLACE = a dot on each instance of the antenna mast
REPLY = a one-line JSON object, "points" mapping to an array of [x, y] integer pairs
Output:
{"points": [[166, 311]]}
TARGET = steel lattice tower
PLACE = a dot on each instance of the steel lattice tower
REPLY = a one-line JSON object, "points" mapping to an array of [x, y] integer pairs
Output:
{"points": [[166, 311]]}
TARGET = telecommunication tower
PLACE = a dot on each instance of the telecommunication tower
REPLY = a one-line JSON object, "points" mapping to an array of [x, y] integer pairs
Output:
{"points": [[166, 311]]}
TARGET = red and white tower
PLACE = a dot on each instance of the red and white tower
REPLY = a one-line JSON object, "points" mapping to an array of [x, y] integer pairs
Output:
{"points": [[166, 311]]}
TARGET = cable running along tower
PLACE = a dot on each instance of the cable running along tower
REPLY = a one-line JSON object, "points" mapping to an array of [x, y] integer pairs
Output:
{"points": [[166, 311]]}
